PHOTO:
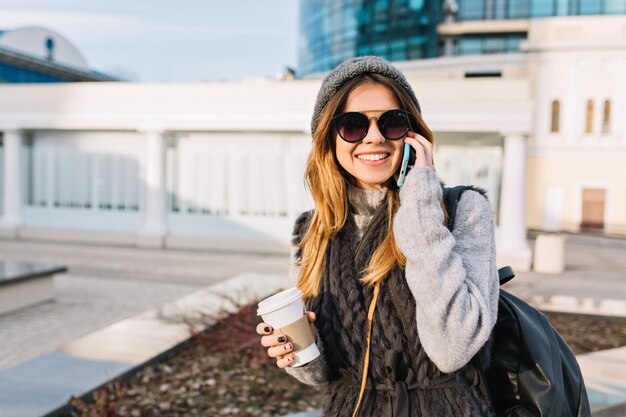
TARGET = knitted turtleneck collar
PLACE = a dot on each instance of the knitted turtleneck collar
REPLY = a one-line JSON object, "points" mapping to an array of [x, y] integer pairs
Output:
{"points": [[363, 204]]}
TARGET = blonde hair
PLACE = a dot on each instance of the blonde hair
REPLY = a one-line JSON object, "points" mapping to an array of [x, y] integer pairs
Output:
{"points": [[328, 183]]}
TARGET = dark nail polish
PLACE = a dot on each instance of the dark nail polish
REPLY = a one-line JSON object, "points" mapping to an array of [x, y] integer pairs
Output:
{"points": [[267, 329], [281, 339]]}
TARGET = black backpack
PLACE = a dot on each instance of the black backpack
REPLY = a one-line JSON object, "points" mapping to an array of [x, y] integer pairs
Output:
{"points": [[532, 371]]}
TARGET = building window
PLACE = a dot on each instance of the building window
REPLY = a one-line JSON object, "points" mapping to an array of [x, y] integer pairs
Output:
{"points": [[589, 123], [591, 7], [519, 9], [606, 117], [416, 5], [472, 10], [556, 116], [562, 7], [614, 6], [541, 8]]}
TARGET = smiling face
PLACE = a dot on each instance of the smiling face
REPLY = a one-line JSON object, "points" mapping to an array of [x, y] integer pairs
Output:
{"points": [[374, 160]]}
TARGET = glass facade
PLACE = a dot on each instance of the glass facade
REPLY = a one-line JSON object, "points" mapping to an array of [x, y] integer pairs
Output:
{"points": [[332, 31], [525, 9], [398, 30], [488, 44], [13, 74]]}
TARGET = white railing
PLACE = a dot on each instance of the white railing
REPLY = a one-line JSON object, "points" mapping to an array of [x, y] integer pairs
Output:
{"points": [[69, 178], [216, 183], [89, 180], [248, 180]]}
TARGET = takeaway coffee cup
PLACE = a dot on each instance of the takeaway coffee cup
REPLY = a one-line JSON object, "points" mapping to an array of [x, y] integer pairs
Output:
{"points": [[285, 313]]}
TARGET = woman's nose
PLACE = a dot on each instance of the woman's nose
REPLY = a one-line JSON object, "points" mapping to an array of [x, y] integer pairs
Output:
{"points": [[373, 133]]}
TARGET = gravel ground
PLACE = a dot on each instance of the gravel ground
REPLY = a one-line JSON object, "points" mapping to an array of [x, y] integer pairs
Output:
{"points": [[224, 371]]}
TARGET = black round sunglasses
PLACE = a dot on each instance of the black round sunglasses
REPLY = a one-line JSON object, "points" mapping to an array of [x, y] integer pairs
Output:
{"points": [[392, 124]]}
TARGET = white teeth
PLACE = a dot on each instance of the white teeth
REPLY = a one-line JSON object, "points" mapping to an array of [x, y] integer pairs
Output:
{"points": [[373, 156]]}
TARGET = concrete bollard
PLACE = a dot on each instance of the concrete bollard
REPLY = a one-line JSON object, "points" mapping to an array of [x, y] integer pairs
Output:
{"points": [[549, 254]]}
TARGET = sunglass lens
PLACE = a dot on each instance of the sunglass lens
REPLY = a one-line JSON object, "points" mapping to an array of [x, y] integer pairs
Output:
{"points": [[352, 127], [393, 124]]}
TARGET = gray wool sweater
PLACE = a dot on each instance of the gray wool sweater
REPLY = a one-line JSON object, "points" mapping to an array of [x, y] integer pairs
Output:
{"points": [[453, 276]]}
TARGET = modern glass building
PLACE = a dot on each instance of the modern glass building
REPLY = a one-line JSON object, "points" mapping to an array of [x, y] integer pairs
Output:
{"points": [[333, 30]]}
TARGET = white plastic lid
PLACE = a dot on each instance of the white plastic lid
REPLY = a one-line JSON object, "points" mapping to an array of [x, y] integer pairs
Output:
{"points": [[279, 300]]}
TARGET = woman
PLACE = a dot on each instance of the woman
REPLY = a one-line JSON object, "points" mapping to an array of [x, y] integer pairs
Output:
{"points": [[371, 248]]}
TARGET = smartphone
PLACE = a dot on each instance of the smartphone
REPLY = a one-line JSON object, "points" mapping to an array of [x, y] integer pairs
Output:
{"points": [[404, 167]]}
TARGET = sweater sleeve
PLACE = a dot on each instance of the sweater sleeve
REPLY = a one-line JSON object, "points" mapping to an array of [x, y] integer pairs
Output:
{"points": [[315, 372], [453, 276]]}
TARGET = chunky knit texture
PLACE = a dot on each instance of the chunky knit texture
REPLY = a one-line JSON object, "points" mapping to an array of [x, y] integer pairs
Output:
{"points": [[363, 205], [454, 278], [430, 320], [349, 69]]}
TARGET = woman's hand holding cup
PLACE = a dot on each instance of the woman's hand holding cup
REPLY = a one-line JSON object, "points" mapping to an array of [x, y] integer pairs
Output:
{"points": [[278, 345]]}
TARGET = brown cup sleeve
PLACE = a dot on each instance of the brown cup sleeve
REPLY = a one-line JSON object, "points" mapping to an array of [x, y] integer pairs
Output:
{"points": [[298, 333]]}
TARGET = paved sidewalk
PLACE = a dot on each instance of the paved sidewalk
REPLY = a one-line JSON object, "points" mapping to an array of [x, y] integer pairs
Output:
{"points": [[201, 267], [82, 305], [594, 280], [105, 284]]}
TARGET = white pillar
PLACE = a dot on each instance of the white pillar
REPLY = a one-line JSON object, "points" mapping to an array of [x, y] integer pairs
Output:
{"points": [[512, 244], [12, 213], [155, 223]]}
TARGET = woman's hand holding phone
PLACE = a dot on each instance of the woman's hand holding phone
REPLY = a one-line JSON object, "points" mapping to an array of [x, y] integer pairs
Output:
{"points": [[423, 149]]}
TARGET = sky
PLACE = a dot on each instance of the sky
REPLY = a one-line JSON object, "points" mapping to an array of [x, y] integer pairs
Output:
{"points": [[170, 41]]}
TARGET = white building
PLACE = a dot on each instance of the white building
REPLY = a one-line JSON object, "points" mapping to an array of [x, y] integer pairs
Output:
{"points": [[219, 165]]}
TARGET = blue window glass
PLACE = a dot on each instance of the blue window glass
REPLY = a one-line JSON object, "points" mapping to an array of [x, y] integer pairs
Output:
{"points": [[494, 46], [541, 8], [469, 46], [416, 52], [363, 16], [591, 7], [512, 43], [471, 9], [500, 9], [614, 6], [398, 49], [416, 5], [562, 7], [12, 74], [519, 9]]}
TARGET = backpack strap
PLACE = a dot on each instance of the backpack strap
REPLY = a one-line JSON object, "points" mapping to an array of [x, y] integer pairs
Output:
{"points": [[451, 197]]}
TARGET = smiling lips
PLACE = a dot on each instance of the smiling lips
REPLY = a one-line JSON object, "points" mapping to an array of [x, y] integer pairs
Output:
{"points": [[373, 156]]}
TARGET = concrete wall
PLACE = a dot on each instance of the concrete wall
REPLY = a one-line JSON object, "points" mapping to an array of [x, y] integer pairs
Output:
{"points": [[571, 175]]}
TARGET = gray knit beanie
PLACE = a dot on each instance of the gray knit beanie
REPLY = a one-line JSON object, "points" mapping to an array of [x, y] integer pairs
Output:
{"points": [[351, 68]]}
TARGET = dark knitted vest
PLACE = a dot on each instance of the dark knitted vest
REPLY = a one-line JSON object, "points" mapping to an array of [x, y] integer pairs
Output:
{"points": [[402, 381]]}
